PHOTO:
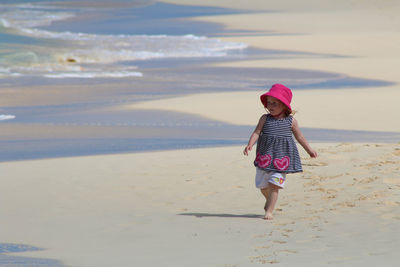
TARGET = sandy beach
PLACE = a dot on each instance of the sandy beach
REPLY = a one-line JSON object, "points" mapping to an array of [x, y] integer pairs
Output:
{"points": [[199, 207]]}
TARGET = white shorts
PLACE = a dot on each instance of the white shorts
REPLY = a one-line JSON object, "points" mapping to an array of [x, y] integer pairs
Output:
{"points": [[263, 178]]}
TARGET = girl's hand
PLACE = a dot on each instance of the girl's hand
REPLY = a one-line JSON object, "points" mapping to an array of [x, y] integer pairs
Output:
{"points": [[313, 153], [246, 150], [254, 136]]}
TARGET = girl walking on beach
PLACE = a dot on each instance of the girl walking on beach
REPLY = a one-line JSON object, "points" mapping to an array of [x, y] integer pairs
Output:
{"points": [[276, 153]]}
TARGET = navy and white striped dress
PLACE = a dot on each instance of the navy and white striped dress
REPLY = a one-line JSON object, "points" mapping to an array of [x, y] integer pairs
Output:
{"points": [[276, 148]]}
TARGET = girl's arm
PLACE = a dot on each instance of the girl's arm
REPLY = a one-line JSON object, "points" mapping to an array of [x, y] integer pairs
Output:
{"points": [[254, 136], [302, 140]]}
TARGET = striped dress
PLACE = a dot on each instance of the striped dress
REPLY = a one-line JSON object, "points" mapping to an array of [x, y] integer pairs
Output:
{"points": [[276, 148]]}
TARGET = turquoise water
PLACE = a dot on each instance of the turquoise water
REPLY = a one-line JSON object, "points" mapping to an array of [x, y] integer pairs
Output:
{"points": [[85, 40]]}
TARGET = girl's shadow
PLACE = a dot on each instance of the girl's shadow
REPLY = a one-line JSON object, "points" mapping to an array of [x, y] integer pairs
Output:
{"points": [[222, 215]]}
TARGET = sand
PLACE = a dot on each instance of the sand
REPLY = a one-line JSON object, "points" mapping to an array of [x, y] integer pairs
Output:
{"points": [[350, 109], [353, 38], [200, 207]]}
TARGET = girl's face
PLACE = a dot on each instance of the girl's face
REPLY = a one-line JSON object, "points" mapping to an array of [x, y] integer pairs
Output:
{"points": [[275, 107]]}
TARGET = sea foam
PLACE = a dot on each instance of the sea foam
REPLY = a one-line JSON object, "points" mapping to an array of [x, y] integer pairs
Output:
{"points": [[7, 117], [121, 74], [84, 55]]}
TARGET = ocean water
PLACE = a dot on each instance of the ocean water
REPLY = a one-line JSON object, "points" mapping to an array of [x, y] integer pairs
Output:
{"points": [[51, 41], [66, 68], [7, 260]]}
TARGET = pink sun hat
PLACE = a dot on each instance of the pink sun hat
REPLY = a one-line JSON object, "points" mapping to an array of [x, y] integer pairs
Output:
{"points": [[279, 91]]}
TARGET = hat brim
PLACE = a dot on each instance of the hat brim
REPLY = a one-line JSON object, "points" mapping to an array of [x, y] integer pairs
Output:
{"points": [[263, 99]]}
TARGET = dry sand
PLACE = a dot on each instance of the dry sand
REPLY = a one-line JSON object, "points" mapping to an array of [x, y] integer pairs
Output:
{"points": [[200, 208], [350, 109]]}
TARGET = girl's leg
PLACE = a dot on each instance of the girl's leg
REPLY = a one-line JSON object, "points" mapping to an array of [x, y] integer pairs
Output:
{"points": [[265, 191], [272, 198]]}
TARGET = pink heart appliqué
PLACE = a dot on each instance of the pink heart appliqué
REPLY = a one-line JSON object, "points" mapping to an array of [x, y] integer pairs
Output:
{"points": [[263, 160], [282, 164]]}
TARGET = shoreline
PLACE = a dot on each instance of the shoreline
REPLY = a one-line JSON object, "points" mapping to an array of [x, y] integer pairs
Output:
{"points": [[63, 141]]}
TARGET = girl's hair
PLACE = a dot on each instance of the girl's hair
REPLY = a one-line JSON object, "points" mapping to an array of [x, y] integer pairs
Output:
{"points": [[289, 112]]}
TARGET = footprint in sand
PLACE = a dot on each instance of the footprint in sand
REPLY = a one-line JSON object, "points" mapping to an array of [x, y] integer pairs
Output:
{"points": [[329, 197], [263, 247], [315, 164], [287, 251], [263, 259], [349, 204], [373, 195], [347, 147], [396, 152], [368, 180], [391, 181]]}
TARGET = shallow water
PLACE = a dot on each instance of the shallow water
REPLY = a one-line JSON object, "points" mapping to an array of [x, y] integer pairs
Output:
{"points": [[18, 261]]}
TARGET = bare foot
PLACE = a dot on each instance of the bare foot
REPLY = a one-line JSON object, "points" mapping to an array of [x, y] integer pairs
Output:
{"points": [[268, 216]]}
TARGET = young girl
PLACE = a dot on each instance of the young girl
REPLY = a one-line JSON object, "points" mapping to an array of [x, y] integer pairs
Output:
{"points": [[276, 153]]}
